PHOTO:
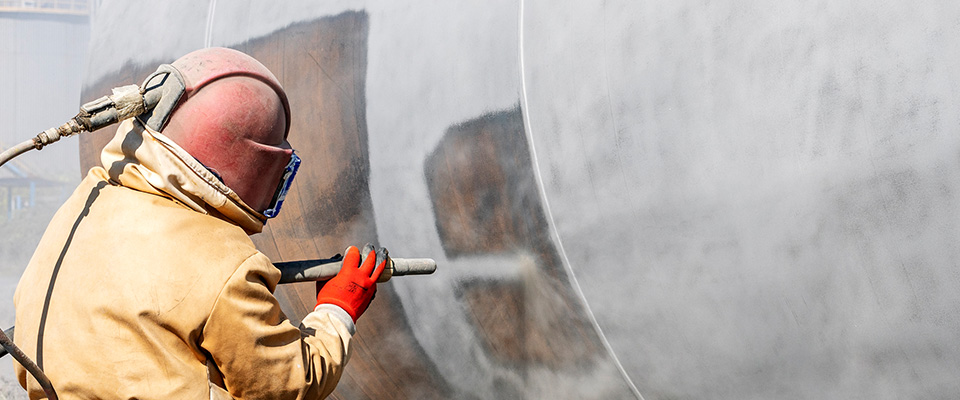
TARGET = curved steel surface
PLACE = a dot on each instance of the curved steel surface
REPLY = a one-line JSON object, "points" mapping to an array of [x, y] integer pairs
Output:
{"points": [[696, 200]]}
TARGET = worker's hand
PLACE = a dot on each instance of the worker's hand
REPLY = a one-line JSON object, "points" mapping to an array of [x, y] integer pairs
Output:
{"points": [[355, 285]]}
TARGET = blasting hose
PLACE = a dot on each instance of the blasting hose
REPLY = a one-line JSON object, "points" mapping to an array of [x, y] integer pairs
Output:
{"points": [[27, 363], [125, 102]]}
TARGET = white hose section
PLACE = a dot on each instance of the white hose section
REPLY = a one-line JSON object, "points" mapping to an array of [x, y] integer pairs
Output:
{"points": [[546, 205], [128, 101], [14, 151]]}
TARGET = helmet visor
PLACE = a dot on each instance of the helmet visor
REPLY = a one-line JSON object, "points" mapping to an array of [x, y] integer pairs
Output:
{"points": [[288, 173]]}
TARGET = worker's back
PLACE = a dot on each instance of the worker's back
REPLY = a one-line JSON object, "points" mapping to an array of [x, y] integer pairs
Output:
{"points": [[118, 290]]}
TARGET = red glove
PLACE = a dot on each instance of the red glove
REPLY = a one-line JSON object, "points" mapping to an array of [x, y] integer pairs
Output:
{"points": [[355, 285]]}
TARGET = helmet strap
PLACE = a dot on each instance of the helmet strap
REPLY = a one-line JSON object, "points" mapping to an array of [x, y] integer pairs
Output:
{"points": [[162, 91]]}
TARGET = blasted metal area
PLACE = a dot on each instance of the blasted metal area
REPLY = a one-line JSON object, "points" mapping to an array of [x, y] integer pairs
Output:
{"points": [[666, 200]]}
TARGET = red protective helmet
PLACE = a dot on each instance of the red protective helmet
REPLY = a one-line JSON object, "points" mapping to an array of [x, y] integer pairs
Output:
{"points": [[234, 118]]}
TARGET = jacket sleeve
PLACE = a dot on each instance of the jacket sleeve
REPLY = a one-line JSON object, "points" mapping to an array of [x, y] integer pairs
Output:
{"points": [[260, 354]]}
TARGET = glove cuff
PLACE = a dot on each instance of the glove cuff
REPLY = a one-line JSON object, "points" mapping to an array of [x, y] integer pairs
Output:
{"points": [[345, 306], [338, 313]]}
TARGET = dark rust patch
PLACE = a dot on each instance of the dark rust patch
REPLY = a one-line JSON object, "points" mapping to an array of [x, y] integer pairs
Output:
{"points": [[482, 187], [485, 201], [497, 309]]}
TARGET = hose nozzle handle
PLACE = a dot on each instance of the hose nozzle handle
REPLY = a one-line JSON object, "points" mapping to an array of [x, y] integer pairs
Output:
{"points": [[324, 269], [407, 266]]}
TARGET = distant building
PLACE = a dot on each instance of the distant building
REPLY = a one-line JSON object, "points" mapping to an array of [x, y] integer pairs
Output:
{"points": [[43, 55], [61, 7]]}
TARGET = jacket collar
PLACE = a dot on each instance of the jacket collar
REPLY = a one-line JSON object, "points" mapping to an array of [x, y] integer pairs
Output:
{"points": [[143, 159]]}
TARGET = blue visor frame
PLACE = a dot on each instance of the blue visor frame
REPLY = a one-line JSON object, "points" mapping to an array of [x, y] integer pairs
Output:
{"points": [[288, 173]]}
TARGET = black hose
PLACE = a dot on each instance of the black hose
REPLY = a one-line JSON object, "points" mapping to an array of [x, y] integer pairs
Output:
{"points": [[9, 333], [5, 341], [27, 364]]}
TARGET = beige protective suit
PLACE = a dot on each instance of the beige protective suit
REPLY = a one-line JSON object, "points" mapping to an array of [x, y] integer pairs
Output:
{"points": [[146, 285]]}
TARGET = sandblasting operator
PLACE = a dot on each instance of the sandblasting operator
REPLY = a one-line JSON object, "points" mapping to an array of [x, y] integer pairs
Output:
{"points": [[146, 285]]}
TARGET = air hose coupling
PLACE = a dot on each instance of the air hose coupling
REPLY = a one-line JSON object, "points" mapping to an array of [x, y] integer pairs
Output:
{"points": [[125, 102], [70, 128]]}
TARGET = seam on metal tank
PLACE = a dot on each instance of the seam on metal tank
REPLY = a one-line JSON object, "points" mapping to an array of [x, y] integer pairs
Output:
{"points": [[208, 33], [546, 205]]}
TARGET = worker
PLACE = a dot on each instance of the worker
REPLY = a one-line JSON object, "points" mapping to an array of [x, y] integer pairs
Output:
{"points": [[146, 284]]}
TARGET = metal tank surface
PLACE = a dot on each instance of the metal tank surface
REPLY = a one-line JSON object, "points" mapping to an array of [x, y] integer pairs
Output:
{"points": [[660, 200]]}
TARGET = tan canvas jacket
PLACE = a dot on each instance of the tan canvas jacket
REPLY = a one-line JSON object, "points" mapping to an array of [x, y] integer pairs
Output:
{"points": [[146, 286]]}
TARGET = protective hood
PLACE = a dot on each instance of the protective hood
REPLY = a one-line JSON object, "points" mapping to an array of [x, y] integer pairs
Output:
{"points": [[143, 159]]}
